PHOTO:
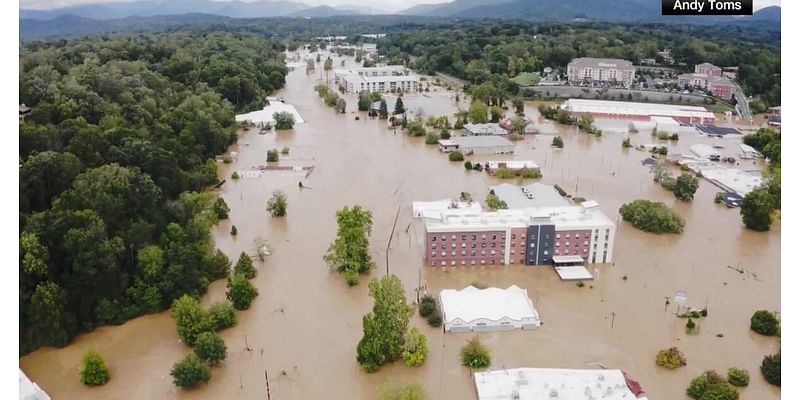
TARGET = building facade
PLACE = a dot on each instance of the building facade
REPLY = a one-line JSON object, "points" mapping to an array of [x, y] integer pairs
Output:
{"points": [[707, 69], [527, 237], [721, 87], [604, 72], [388, 79]]}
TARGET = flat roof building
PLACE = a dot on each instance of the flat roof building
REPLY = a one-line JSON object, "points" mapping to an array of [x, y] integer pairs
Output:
{"points": [[515, 166], [478, 145], [604, 72], [556, 383], [707, 69], [484, 129], [529, 196], [391, 78], [642, 111], [733, 180], [485, 310]]}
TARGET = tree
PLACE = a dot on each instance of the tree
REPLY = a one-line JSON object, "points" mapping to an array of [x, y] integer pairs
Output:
{"points": [[558, 142], [765, 323], [383, 111], [685, 187], [349, 252], [399, 107], [496, 113], [468, 165], [475, 355], [431, 138], [455, 155], [364, 100], [701, 383], [210, 348], [385, 326], [341, 106], [738, 377], [444, 134], [651, 216], [756, 210], [221, 315], [415, 348], [427, 305], [189, 372], [494, 202], [478, 114], [221, 208], [519, 106], [392, 391], [277, 205], [93, 370], [660, 171], [190, 319], [670, 358], [720, 391], [273, 155], [48, 319], [244, 266], [771, 368], [240, 292], [283, 120]]}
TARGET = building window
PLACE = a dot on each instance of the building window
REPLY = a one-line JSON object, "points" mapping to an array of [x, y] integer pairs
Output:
{"points": [[585, 242], [558, 236], [566, 244], [513, 236], [558, 244], [474, 237], [483, 252], [433, 238], [444, 254], [453, 237], [556, 252], [453, 245], [463, 245], [463, 262], [453, 262], [546, 252], [463, 237], [433, 246], [463, 252], [472, 262], [483, 236], [494, 245], [444, 247], [474, 253], [444, 263], [473, 245], [483, 262], [444, 238], [453, 253], [493, 252], [513, 244], [483, 245], [433, 254], [533, 245], [567, 236]]}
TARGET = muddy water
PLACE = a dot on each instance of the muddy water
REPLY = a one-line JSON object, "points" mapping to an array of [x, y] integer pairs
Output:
{"points": [[304, 326]]}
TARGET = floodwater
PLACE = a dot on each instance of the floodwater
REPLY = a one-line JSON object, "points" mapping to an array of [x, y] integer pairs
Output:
{"points": [[304, 326]]}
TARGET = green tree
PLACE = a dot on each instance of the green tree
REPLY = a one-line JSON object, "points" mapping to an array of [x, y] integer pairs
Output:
{"points": [[240, 292], [364, 100], [349, 252], [48, 320], [558, 142], [427, 305], [272, 155], [283, 120], [394, 391], [660, 171], [277, 204], [383, 111], [210, 348], [504, 173], [189, 372], [685, 187], [765, 323], [651, 216], [415, 348], [385, 327], [701, 383], [670, 358], [771, 368], [43, 176], [221, 315], [494, 202], [478, 113], [756, 210], [475, 355], [93, 370], [455, 155], [245, 266], [738, 377], [190, 319], [720, 391], [496, 113], [431, 138], [221, 208], [399, 107]]}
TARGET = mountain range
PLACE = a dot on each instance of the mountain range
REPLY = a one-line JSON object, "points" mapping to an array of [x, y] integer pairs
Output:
{"points": [[549, 10]]}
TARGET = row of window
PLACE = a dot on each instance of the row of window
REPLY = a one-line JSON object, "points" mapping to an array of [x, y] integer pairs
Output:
{"points": [[464, 237], [473, 253]]}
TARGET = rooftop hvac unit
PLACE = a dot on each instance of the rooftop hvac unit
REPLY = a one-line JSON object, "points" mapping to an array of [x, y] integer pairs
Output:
{"points": [[515, 394], [553, 393], [525, 190], [530, 196]]}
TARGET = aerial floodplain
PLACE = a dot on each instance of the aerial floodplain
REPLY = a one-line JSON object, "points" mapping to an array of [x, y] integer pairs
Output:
{"points": [[348, 208]]}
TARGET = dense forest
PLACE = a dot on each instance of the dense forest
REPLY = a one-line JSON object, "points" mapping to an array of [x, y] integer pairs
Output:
{"points": [[114, 159], [494, 51]]}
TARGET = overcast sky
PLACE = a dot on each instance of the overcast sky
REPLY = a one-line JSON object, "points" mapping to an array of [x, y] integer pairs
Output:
{"points": [[378, 4]]}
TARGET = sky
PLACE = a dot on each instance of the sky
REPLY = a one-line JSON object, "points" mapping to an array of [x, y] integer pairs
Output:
{"points": [[389, 5]]}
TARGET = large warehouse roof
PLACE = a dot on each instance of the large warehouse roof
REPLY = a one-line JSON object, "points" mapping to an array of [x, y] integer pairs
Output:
{"points": [[552, 383], [493, 304], [636, 109]]}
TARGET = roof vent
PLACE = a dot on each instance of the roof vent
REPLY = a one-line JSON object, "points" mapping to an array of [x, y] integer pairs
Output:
{"points": [[553, 393]]}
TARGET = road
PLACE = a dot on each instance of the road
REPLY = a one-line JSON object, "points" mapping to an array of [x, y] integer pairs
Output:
{"points": [[742, 105]]}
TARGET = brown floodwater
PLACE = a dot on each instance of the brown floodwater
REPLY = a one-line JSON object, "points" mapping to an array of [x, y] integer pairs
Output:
{"points": [[304, 326]]}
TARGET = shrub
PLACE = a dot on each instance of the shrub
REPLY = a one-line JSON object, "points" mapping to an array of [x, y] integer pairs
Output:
{"points": [[392, 391], [494, 202], [720, 391], [764, 323], [415, 348], [468, 165], [415, 128], [283, 120], [245, 266], [235, 175], [674, 137], [351, 277], [277, 205], [221, 315], [477, 166], [221, 208], [435, 319], [431, 138], [738, 377], [445, 134], [272, 155], [93, 370], [475, 355], [531, 173], [234, 231], [285, 150], [651, 216], [189, 372], [456, 156], [504, 173], [427, 306], [626, 143], [669, 183], [771, 368], [690, 326], [670, 358], [685, 187], [240, 292], [663, 136], [558, 142], [210, 348]]}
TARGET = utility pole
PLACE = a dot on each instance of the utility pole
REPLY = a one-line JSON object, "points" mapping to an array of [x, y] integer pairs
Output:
{"points": [[613, 315], [266, 379]]}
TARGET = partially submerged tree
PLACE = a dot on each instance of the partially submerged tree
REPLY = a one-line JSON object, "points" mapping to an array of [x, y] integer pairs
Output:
{"points": [[670, 358], [475, 355], [240, 292], [349, 252], [93, 370], [283, 120], [190, 319], [245, 266], [189, 372], [756, 210], [277, 204], [386, 325], [415, 348], [210, 348], [765, 323]]}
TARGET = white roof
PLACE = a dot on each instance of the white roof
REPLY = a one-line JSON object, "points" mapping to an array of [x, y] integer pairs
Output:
{"points": [[28, 390], [703, 150], [747, 149], [567, 217], [573, 273], [422, 208], [448, 142], [666, 121], [529, 196], [553, 384], [265, 115], [481, 141], [470, 304], [512, 164], [633, 108], [485, 129], [735, 180]]}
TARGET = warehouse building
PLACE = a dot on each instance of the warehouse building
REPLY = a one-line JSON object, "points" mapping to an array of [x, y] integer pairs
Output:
{"points": [[557, 383], [640, 111], [486, 310], [603, 72], [477, 145]]}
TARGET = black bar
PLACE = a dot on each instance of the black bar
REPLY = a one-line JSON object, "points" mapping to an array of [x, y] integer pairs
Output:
{"points": [[706, 7]]}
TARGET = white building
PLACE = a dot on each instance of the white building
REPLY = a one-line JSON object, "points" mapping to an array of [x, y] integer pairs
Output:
{"points": [[385, 79], [555, 384], [420, 209], [484, 129], [29, 390], [705, 152], [601, 72], [641, 111], [478, 145], [733, 180], [483, 310], [264, 116]]}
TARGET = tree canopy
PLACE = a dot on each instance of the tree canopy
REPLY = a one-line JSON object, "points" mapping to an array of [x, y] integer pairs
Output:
{"points": [[386, 325], [651, 216]]}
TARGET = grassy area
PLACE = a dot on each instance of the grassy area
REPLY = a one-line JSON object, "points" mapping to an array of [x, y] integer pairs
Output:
{"points": [[719, 107], [526, 79]]}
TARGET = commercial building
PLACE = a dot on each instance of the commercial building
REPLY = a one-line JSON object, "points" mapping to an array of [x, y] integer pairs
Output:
{"points": [[707, 69], [693, 80], [485, 310], [721, 87], [419, 209], [709, 77], [264, 116], [484, 130], [733, 180], [604, 72], [553, 384], [514, 166], [529, 236], [705, 152], [385, 79], [477, 145], [29, 390], [640, 111]]}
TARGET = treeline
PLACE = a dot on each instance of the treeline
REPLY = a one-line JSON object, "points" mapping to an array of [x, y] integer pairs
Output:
{"points": [[113, 158], [495, 51]]}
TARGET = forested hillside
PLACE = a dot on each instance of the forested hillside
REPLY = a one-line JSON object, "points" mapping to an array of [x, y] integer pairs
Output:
{"points": [[114, 158]]}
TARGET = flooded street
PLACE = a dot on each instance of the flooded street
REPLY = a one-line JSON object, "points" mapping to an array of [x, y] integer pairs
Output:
{"points": [[303, 327]]}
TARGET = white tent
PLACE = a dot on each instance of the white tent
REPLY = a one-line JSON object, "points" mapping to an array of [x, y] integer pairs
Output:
{"points": [[492, 309]]}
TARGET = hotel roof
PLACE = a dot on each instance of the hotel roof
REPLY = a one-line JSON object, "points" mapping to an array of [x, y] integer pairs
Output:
{"points": [[565, 217], [584, 62]]}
